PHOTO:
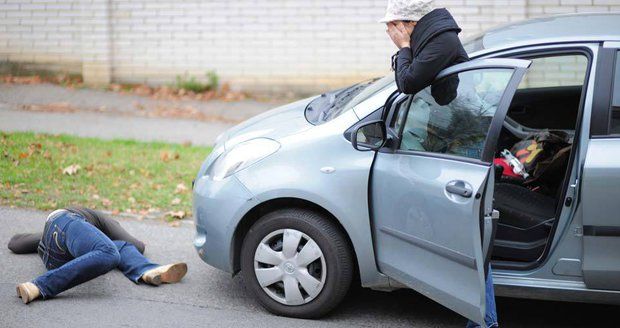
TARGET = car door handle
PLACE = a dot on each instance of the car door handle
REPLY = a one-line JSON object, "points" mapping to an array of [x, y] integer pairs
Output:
{"points": [[459, 190]]}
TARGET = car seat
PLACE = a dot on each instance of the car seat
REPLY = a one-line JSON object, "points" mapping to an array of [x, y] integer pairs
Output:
{"points": [[525, 220]]}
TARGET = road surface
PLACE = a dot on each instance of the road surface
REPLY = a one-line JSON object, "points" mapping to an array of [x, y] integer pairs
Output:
{"points": [[210, 298]]}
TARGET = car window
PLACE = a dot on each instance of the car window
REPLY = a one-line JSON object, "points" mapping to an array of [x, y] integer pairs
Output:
{"points": [[330, 105], [615, 103], [555, 71], [453, 115], [549, 95]]}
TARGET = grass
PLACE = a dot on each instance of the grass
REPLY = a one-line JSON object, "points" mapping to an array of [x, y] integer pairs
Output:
{"points": [[117, 175], [191, 83]]}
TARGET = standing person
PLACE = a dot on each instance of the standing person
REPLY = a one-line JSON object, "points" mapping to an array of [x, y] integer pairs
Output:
{"points": [[79, 244], [428, 42], [427, 39]]}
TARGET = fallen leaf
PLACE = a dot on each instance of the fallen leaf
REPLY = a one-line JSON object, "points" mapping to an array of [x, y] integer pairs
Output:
{"points": [[95, 196], [177, 214], [181, 188], [176, 201], [106, 202], [71, 169], [23, 155], [164, 156], [116, 212], [174, 224], [131, 200]]}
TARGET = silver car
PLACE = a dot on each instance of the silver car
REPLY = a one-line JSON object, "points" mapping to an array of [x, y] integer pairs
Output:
{"points": [[400, 191]]}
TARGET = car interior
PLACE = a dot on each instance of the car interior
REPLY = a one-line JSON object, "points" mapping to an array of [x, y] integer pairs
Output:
{"points": [[533, 154]]}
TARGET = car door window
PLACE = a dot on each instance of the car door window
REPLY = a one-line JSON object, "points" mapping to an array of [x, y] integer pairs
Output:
{"points": [[453, 116]]}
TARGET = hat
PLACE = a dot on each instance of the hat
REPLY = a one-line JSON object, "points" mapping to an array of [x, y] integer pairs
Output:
{"points": [[409, 10]]}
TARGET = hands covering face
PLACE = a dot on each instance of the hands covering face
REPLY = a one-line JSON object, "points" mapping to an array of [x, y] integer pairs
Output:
{"points": [[400, 33]]}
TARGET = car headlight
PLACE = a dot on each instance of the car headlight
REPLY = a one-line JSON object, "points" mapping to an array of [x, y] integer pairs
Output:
{"points": [[241, 156]]}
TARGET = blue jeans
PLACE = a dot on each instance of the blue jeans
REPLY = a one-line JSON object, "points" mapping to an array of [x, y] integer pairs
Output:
{"points": [[74, 251], [490, 317]]}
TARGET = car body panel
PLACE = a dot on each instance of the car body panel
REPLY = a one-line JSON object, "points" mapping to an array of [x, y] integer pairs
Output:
{"points": [[295, 171], [545, 31], [601, 228], [426, 238], [278, 122], [218, 207]]}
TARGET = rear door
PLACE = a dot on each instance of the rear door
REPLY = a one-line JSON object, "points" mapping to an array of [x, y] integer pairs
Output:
{"points": [[432, 186], [601, 178]]}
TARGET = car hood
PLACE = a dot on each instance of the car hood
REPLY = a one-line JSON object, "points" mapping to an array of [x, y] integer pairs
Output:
{"points": [[274, 124]]}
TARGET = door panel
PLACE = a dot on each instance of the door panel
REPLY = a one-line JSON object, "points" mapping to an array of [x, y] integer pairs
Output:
{"points": [[601, 224], [425, 239], [431, 192]]}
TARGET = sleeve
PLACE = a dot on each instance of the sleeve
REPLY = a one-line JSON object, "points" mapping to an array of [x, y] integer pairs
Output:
{"points": [[114, 231], [25, 243], [413, 75]]}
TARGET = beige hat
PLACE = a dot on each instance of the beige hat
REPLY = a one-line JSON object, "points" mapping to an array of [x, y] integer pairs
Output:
{"points": [[410, 10]]}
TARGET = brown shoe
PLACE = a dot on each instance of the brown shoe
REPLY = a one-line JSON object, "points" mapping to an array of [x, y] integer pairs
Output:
{"points": [[28, 292], [170, 273]]}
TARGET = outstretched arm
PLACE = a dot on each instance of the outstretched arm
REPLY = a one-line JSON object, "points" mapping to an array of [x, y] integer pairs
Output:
{"points": [[24, 243]]}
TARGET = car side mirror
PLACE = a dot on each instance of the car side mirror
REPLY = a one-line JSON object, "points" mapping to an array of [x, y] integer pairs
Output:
{"points": [[370, 136]]}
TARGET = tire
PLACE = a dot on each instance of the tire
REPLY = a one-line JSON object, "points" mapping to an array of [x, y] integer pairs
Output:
{"points": [[336, 264]]}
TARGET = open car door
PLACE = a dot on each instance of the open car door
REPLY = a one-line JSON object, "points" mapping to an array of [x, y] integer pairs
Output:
{"points": [[432, 184]]}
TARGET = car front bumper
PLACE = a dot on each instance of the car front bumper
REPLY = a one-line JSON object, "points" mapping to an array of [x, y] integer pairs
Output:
{"points": [[218, 208]]}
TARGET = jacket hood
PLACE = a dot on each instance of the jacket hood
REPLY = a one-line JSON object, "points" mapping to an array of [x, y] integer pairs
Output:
{"points": [[437, 21]]}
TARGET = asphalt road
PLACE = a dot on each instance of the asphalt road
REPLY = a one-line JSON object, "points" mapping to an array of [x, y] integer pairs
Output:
{"points": [[210, 298]]}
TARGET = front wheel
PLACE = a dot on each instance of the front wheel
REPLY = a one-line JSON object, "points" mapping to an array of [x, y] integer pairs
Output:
{"points": [[297, 263]]}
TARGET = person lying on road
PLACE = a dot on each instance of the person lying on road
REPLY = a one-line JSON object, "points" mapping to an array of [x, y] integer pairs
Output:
{"points": [[80, 244], [428, 42]]}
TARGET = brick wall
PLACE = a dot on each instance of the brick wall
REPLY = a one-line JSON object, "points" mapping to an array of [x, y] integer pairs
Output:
{"points": [[274, 45]]}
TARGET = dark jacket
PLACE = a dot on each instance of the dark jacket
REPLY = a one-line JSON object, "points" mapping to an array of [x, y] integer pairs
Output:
{"points": [[24, 243], [435, 45]]}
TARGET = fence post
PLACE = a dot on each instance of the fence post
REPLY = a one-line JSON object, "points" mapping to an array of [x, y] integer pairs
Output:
{"points": [[96, 42]]}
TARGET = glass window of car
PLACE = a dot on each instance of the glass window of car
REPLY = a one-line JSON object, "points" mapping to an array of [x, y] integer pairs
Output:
{"points": [[453, 116], [549, 95], [615, 102], [330, 105]]}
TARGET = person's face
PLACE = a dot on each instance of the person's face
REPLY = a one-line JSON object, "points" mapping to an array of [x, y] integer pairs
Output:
{"points": [[409, 25]]}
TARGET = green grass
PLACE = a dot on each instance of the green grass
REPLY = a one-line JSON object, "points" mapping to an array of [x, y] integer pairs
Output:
{"points": [[191, 83], [118, 175]]}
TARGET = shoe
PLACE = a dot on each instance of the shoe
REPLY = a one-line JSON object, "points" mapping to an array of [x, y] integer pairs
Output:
{"points": [[169, 274], [28, 292]]}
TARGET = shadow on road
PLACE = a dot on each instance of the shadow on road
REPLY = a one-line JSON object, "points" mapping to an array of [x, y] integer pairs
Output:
{"points": [[408, 306]]}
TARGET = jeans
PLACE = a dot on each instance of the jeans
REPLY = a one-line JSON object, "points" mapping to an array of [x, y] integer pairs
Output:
{"points": [[490, 317], [74, 251]]}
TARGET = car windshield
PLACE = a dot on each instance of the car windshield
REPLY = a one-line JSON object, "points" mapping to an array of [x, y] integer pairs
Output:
{"points": [[332, 104]]}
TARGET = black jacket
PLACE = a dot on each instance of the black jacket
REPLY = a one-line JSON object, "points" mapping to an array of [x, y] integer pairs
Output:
{"points": [[24, 243], [434, 46]]}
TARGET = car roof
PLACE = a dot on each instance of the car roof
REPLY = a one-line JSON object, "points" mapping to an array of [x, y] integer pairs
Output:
{"points": [[554, 29]]}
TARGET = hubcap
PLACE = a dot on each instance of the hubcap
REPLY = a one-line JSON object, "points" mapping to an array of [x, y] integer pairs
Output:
{"points": [[290, 267]]}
